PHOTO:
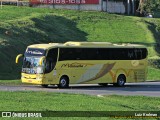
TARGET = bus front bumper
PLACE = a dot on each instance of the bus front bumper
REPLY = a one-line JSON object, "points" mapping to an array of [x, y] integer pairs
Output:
{"points": [[33, 79]]}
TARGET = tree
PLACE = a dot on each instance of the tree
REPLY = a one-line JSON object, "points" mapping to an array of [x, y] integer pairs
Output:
{"points": [[141, 6], [148, 6]]}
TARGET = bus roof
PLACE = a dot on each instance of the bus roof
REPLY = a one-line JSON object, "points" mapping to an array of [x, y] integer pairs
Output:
{"points": [[85, 45]]}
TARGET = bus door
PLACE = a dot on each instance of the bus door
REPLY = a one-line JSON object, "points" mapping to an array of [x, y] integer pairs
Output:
{"points": [[50, 65]]}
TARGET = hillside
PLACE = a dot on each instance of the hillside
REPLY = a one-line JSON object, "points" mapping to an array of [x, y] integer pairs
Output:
{"points": [[22, 26]]}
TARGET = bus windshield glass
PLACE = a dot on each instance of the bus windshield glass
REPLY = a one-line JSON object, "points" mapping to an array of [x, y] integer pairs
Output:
{"points": [[31, 61], [30, 65]]}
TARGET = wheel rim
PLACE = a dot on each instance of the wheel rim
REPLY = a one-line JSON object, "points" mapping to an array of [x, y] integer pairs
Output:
{"points": [[63, 82], [121, 81]]}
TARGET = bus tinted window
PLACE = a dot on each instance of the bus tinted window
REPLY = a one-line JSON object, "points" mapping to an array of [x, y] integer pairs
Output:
{"points": [[102, 53], [128, 53]]}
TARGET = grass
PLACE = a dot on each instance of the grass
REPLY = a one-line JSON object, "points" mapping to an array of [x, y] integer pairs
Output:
{"points": [[22, 26], [48, 101], [153, 74], [11, 82]]}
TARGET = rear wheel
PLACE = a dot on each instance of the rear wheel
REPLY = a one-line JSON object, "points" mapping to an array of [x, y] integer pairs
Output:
{"points": [[63, 82], [121, 80]]}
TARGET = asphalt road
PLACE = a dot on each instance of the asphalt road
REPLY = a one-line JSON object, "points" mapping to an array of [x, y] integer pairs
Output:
{"points": [[142, 89]]}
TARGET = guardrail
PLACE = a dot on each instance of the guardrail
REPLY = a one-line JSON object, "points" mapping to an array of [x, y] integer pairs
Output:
{"points": [[14, 2]]}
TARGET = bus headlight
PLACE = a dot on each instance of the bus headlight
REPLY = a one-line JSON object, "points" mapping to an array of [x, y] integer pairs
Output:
{"points": [[39, 70]]}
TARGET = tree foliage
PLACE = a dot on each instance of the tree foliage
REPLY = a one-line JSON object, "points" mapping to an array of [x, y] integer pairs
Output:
{"points": [[148, 6]]}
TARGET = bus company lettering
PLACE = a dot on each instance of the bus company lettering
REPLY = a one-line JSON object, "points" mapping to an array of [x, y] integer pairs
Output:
{"points": [[35, 52], [75, 65]]}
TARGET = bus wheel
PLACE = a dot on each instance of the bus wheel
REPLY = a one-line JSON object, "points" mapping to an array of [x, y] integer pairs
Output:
{"points": [[44, 86], [63, 83], [120, 81]]}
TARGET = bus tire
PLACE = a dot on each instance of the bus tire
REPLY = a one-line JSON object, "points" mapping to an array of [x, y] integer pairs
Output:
{"points": [[44, 86], [63, 82], [121, 80]]}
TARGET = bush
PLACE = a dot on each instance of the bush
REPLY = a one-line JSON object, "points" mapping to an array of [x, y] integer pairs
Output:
{"points": [[154, 63], [149, 6]]}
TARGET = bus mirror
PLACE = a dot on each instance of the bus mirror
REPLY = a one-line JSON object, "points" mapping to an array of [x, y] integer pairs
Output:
{"points": [[41, 60], [18, 56]]}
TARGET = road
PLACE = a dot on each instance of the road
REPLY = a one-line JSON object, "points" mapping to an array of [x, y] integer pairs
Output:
{"points": [[142, 89]]}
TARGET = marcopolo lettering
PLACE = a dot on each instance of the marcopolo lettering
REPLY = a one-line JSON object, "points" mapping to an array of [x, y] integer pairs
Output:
{"points": [[74, 65], [35, 52]]}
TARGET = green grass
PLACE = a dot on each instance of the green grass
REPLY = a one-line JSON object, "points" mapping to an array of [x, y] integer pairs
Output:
{"points": [[48, 101], [22, 26], [153, 74], [11, 82]]}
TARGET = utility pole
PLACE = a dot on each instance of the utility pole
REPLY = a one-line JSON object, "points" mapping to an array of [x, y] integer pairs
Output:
{"points": [[128, 7], [133, 6], [1, 4], [101, 5]]}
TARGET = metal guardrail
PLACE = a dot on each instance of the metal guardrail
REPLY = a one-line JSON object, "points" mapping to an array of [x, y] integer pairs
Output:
{"points": [[8, 1], [14, 2]]}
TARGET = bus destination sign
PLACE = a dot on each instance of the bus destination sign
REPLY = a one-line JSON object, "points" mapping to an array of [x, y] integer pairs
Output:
{"points": [[34, 52]]}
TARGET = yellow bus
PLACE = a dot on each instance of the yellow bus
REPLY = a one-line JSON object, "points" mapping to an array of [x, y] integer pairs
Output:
{"points": [[83, 63]]}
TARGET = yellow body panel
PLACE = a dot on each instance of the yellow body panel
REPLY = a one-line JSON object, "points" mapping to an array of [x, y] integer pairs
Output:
{"points": [[88, 72]]}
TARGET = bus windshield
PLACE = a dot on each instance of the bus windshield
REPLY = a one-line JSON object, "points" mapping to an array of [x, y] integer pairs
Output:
{"points": [[30, 64], [31, 61]]}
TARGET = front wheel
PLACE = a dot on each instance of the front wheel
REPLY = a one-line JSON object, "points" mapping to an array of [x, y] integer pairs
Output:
{"points": [[63, 82]]}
